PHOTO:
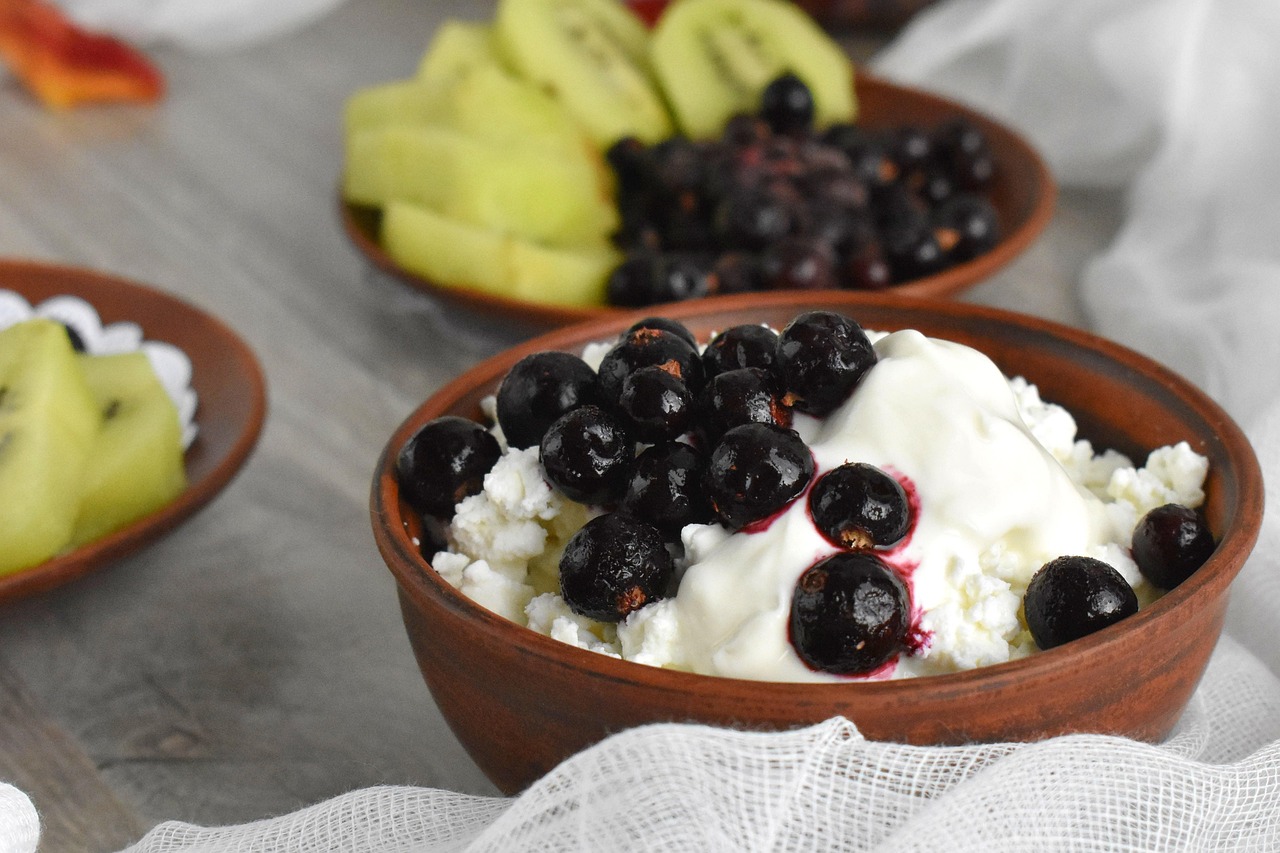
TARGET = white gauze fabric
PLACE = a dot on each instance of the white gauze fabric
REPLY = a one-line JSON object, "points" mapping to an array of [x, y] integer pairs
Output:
{"points": [[1175, 99]]}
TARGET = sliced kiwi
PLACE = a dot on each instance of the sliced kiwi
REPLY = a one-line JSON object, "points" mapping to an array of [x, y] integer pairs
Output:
{"points": [[526, 192], [455, 48], [458, 254], [48, 422], [714, 57], [136, 462], [487, 102], [592, 56]]}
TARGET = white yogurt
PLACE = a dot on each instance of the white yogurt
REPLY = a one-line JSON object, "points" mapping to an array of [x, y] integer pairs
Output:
{"points": [[999, 486]]}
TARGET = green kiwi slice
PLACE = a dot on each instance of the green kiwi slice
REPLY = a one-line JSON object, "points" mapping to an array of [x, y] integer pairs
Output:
{"points": [[136, 463], [714, 57], [592, 56], [48, 422]]}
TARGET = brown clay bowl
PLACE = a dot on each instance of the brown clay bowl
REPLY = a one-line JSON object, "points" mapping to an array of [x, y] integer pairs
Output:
{"points": [[520, 702], [1023, 194], [225, 375]]}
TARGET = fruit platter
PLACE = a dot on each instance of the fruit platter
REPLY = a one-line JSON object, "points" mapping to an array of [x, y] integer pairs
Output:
{"points": [[563, 161], [95, 465]]}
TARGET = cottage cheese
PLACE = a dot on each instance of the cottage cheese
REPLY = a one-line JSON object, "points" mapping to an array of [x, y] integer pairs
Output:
{"points": [[1002, 482]]}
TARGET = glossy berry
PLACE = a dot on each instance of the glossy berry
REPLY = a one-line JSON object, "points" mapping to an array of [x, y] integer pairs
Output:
{"points": [[631, 284], [538, 390], [646, 347], [973, 224], [859, 506], [748, 395], [666, 488], [655, 405], [866, 154], [679, 278], [849, 614], [614, 565], [632, 164], [444, 462], [786, 105], [754, 471], [913, 253], [1071, 597], [666, 324], [587, 454], [749, 345], [751, 218], [799, 263], [911, 148], [822, 356], [1170, 543]]}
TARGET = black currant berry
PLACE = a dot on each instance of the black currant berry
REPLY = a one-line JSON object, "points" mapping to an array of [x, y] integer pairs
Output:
{"points": [[859, 506], [588, 454], [666, 324], [614, 565], [632, 163], [655, 405], [645, 348], [849, 614], [538, 390], [913, 253], [632, 282], [799, 263], [1170, 543], [786, 105], [751, 219], [821, 358], [444, 462], [973, 223], [910, 148], [1071, 597], [747, 395], [666, 488], [754, 471], [750, 345]]}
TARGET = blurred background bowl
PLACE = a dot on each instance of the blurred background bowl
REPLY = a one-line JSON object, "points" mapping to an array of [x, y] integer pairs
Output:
{"points": [[1023, 194], [521, 702]]}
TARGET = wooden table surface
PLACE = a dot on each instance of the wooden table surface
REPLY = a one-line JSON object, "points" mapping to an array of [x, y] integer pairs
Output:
{"points": [[253, 661]]}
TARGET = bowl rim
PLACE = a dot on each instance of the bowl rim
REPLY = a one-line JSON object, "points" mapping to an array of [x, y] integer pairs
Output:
{"points": [[45, 280], [948, 282], [423, 585]]}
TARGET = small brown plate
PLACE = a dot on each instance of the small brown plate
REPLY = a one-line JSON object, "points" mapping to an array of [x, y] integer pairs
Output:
{"points": [[1023, 194], [227, 380]]}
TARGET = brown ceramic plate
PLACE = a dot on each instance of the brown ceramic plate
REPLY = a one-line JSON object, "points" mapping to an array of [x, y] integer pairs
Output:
{"points": [[521, 702], [1023, 194], [225, 375]]}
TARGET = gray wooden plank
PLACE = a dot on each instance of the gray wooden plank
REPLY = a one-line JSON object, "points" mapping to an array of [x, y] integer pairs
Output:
{"points": [[78, 809]]}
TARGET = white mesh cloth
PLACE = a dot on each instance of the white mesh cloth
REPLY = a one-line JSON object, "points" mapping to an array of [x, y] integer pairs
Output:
{"points": [[1177, 100]]}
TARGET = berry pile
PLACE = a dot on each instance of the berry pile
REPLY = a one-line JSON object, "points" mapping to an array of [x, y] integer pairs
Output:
{"points": [[663, 435], [774, 204]]}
